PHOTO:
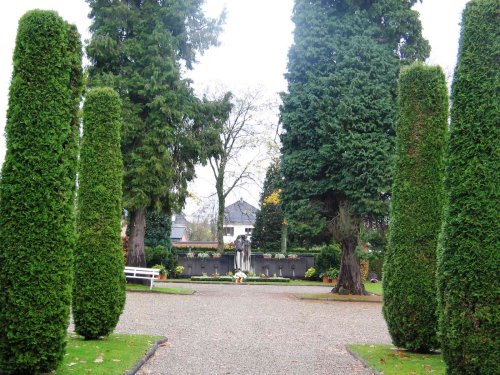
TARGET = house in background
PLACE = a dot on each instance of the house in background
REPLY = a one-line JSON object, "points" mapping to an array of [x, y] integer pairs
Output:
{"points": [[179, 231], [239, 218]]}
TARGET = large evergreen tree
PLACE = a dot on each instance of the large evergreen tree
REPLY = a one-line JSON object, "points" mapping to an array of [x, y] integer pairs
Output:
{"points": [[137, 48], [37, 188], [469, 255], [416, 209], [338, 117], [269, 220], [99, 287]]}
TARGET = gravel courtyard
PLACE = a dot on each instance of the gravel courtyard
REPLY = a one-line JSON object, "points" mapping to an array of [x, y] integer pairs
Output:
{"points": [[252, 329]]}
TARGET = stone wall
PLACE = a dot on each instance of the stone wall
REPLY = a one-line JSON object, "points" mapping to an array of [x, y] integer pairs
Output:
{"points": [[293, 268]]}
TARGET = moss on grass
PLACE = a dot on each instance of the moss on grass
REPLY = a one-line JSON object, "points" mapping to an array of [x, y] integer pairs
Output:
{"points": [[391, 361]]}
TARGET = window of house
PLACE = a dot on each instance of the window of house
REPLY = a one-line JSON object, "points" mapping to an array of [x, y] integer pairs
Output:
{"points": [[248, 231], [228, 231]]}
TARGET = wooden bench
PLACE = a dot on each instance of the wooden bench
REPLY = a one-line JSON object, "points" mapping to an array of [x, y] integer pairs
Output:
{"points": [[142, 273]]}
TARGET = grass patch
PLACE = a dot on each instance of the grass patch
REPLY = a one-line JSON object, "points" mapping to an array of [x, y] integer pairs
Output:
{"points": [[338, 297], [112, 355], [158, 289], [374, 287], [390, 361]]}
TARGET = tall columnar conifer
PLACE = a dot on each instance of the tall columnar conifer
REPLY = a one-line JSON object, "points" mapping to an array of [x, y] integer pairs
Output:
{"points": [[469, 255], [37, 228], [99, 288], [416, 209]]}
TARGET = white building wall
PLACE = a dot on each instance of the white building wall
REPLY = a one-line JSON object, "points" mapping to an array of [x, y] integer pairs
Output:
{"points": [[239, 229]]}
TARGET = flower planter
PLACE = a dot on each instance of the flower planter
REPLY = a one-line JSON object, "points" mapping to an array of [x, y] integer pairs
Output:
{"points": [[163, 277], [326, 280]]}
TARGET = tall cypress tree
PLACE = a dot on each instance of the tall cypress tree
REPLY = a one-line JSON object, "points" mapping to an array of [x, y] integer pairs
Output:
{"points": [[269, 219], [37, 232], [469, 255], [338, 118], [99, 288], [416, 209], [137, 48]]}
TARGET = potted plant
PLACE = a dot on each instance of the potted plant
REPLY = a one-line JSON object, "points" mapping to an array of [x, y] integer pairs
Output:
{"points": [[267, 255], [216, 254], [333, 274], [325, 278], [279, 256], [163, 271], [178, 270]]}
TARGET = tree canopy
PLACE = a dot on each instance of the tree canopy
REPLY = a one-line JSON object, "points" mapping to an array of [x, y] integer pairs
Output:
{"points": [[269, 219], [139, 49], [339, 112]]}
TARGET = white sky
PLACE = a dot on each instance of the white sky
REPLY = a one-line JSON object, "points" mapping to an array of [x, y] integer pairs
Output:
{"points": [[252, 54]]}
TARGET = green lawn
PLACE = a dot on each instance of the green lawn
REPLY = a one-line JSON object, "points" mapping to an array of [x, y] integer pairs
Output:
{"points": [[390, 361], [374, 287], [113, 355], [158, 289]]}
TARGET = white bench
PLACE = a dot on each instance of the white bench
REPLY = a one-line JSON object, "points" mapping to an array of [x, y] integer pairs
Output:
{"points": [[142, 273]]}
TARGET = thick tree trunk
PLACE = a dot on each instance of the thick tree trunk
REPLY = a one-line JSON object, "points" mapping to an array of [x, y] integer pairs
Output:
{"points": [[136, 256], [220, 219], [349, 281]]}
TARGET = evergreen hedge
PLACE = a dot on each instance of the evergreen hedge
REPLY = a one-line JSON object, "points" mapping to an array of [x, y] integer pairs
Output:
{"points": [[469, 256], [37, 232], [416, 209], [99, 289]]}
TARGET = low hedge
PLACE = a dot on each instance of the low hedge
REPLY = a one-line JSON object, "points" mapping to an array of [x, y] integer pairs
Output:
{"points": [[248, 279]]}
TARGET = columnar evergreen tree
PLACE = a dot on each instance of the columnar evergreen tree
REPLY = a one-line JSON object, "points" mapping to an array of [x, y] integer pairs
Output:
{"points": [[269, 219], [137, 48], [416, 209], [37, 188], [469, 255], [338, 118], [99, 288]]}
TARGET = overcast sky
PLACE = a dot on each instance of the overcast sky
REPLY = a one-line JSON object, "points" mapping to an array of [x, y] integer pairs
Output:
{"points": [[253, 50]]}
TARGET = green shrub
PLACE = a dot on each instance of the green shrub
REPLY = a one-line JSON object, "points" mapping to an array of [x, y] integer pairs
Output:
{"points": [[469, 256], [416, 209], [161, 255], [99, 289], [37, 187], [328, 257], [310, 273]]}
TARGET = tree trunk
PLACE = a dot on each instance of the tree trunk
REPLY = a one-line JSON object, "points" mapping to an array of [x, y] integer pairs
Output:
{"points": [[284, 234], [349, 281], [136, 256], [220, 217]]}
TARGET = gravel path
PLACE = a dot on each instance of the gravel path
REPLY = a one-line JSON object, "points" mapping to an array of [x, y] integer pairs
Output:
{"points": [[252, 329]]}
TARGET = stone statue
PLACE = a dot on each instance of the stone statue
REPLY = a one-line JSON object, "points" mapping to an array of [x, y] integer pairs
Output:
{"points": [[242, 253]]}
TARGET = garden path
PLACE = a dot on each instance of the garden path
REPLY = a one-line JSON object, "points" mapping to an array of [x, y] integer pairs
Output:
{"points": [[252, 329]]}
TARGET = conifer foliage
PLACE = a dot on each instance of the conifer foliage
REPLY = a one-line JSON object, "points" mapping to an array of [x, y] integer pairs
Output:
{"points": [[37, 232], [269, 219], [99, 288], [416, 209], [469, 255], [338, 118]]}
